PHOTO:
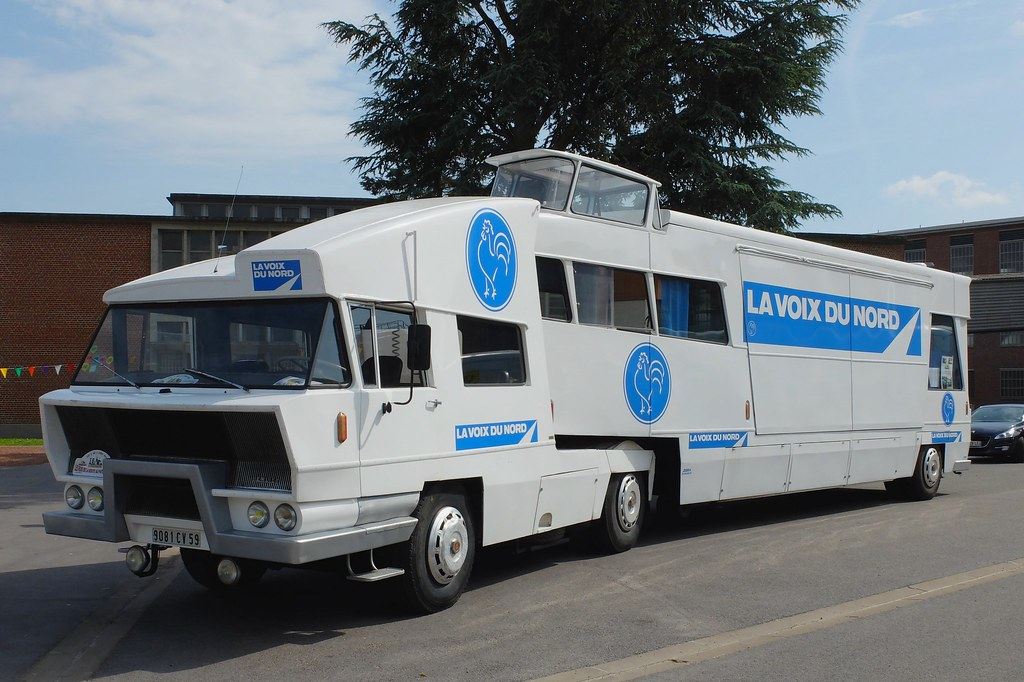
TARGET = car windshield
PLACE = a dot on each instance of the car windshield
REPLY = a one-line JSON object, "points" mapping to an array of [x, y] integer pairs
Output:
{"points": [[242, 344], [999, 413]]}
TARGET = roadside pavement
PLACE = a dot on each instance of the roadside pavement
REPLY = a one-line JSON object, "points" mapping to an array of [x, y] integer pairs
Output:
{"points": [[21, 455]]}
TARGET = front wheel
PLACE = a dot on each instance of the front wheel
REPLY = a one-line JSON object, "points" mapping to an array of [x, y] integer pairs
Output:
{"points": [[625, 506], [1017, 451], [925, 482], [441, 552]]}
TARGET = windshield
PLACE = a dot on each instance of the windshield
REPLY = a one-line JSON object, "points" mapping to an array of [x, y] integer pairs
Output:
{"points": [[245, 344], [545, 179], [999, 413]]}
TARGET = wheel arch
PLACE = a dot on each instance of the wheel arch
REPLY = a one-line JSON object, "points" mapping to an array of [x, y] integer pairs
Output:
{"points": [[472, 489]]}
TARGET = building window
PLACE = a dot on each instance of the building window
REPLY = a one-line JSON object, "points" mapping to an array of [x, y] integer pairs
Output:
{"points": [[1011, 384], [317, 213], [241, 212], [171, 249], [1011, 251], [289, 213], [914, 251], [1011, 339], [178, 247], [217, 211], [961, 255]]}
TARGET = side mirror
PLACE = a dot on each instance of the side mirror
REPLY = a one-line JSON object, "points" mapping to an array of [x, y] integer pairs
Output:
{"points": [[419, 347]]}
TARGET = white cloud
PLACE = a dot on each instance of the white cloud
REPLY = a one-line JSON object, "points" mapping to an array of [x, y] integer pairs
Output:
{"points": [[194, 79], [949, 189], [1017, 29], [910, 19]]}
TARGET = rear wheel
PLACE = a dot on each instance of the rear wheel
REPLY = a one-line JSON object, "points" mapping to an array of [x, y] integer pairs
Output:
{"points": [[625, 506], [203, 567], [440, 553]]}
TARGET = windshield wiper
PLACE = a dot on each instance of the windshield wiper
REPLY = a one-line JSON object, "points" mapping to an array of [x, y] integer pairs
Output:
{"points": [[114, 372], [213, 377]]}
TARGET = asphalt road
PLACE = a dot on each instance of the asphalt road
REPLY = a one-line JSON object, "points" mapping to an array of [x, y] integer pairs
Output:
{"points": [[806, 587]]}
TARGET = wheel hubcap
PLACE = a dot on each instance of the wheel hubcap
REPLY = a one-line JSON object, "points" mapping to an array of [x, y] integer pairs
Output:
{"points": [[931, 467], [628, 502], [447, 542]]}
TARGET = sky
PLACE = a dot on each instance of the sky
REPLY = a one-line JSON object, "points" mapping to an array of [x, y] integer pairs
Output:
{"points": [[109, 106]]}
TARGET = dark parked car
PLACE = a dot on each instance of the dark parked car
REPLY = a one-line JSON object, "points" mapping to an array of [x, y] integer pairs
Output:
{"points": [[998, 431]]}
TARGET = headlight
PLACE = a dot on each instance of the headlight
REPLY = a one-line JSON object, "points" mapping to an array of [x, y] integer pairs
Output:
{"points": [[285, 517], [1011, 432], [259, 514], [95, 499], [74, 497]]}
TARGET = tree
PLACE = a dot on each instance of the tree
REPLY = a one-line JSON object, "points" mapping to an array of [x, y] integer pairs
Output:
{"points": [[693, 93]]}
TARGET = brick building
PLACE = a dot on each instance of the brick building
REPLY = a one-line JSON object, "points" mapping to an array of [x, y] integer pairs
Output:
{"points": [[54, 269], [992, 253]]}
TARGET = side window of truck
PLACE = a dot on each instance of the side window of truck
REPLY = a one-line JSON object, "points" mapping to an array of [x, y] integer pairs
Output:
{"points": [[611, 297], [492, 352], [554, 294], [944, 356], [690, 308], [381, 337]]}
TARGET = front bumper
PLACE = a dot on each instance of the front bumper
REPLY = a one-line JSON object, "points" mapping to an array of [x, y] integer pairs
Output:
{"points": [[222, 537], [992, 448]]}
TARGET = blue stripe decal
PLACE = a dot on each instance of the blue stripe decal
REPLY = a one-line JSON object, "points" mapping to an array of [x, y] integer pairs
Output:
{"points": [[706, 440], [495, 434], [808, 319], [947, 436]]}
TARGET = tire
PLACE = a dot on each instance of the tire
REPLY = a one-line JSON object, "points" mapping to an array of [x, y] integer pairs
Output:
{"points": [[927, 474], [1017, 453], [202, 566], [625, 508], [440, 553]]}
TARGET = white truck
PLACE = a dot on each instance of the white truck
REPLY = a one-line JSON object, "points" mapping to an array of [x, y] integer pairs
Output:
{"points": [[394, 387]]}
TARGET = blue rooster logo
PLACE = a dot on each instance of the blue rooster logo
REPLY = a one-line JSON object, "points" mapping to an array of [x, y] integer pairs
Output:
{"points": [[491, 259], [647, 383]]}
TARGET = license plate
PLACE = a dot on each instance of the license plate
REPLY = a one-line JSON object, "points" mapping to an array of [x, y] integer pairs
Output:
{"points": [[975, 443], [178, 537]]}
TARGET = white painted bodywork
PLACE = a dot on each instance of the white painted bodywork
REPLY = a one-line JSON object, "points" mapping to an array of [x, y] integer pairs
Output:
{"points": [[806, 417]]}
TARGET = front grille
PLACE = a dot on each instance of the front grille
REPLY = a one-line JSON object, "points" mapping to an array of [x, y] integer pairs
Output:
{"points": [[166, 497], [249, 443]]}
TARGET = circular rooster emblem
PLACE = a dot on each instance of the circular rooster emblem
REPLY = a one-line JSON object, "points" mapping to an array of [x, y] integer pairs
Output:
{"points": [[491, 260], [647, 383]]}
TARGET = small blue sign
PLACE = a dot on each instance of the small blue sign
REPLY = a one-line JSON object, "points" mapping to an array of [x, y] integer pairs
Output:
{"points": [[495, 434], [948, 409], [946, 436], [272, 275], [491, 260], [647, 383], [706, 440]]}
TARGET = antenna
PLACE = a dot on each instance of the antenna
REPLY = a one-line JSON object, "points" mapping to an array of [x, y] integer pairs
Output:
{"points": [[231, 210]]}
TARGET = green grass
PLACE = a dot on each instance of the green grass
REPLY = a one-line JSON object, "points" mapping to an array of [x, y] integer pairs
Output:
{"points": [[21, 441]]}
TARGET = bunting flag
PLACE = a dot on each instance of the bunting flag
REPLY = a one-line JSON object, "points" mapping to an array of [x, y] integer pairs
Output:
{"points": [[35, 371]]}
